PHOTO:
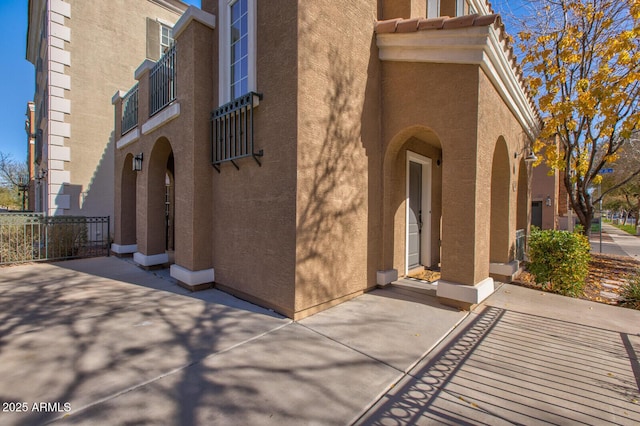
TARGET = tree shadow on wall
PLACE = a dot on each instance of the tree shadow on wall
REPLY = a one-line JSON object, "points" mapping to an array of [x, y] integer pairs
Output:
{"points": [[332, 213]]}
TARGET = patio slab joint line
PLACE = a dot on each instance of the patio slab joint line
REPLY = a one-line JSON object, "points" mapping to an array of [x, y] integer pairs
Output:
{"points": [[168, 373]]}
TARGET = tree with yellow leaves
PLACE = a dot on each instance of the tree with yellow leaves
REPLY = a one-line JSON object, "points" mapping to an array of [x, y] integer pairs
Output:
{"points": [[582, 59]]}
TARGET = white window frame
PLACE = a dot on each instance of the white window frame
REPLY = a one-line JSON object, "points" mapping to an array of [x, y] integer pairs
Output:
{"points": [[433, 8], [224, 11], [163, 47]]}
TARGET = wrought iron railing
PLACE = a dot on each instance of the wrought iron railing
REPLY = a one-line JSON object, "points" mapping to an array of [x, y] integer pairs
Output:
{"points": [[162, 82], [521, 239], [30, 237], [130, 110], [232, 131]]}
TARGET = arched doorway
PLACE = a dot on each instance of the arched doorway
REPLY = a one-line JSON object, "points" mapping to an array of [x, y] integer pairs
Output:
{"points": [[412, 201], [500, 250], [125, 237], [160, 206]]}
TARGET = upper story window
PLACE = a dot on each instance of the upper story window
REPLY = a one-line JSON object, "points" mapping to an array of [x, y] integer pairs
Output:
{"points": [[166, 38], [452, 8], [237, 48]]}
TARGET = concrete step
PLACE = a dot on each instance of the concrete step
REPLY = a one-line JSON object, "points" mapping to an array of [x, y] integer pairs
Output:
{"points": [[411, 285]]}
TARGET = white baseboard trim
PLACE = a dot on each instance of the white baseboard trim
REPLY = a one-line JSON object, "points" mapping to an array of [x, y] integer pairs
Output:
{"points": [[466, 293], [154, 259], [508, 269], [386, 277], [189, 277], [124, 249]]}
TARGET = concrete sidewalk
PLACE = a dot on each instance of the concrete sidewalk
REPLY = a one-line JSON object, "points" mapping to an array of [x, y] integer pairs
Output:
{"points": [[125, 346], [615, 241]]}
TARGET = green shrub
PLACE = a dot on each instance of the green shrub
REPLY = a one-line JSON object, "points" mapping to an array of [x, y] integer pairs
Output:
{"points": [[559, 260], [19, 236], [630, 292]]}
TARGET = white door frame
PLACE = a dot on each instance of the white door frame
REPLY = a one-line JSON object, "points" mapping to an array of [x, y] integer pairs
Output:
{"points": [[425, 238]]}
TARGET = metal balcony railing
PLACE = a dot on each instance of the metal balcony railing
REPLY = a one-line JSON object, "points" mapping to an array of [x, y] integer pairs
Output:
{"points": [[162, 82], [232, 131], [130, 110]]}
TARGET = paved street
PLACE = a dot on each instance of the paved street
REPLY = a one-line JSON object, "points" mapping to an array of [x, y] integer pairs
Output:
{"points": [[120, 345]]}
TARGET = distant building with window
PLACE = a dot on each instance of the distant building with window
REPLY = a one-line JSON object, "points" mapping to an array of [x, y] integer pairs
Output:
{"points": [[300, 153], [81, 50]]}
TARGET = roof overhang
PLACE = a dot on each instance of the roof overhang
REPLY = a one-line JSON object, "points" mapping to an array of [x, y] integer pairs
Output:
{"points": [[34, 23], [477, 45]]}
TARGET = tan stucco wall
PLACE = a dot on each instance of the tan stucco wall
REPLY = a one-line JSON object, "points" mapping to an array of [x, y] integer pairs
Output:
{"points": [[500, 136], [443, 99], [338, 130], [108, 42], [404, 9], [462, 112]]}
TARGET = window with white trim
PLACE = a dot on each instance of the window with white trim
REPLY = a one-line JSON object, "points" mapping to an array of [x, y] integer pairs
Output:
{"points": [[436, 8], [166, 38], [237, 48]]}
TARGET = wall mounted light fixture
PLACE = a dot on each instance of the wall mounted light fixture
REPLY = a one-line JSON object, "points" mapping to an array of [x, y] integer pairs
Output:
{"points": [[137, 163]]}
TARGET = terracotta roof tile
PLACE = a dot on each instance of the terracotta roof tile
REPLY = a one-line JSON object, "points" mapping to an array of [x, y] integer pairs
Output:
{"points": [[459, 22], [407, 26], [388, 26], [432, 23], [486, 20], [399, 25]]}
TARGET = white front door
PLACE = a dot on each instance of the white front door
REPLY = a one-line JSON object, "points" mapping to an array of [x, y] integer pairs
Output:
{"points": [[418, 221]]}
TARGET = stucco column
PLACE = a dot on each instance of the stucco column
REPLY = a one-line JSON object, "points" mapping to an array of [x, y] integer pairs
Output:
{"points": [[124, 236], [150, 197], [193, 267], [466, 215]]}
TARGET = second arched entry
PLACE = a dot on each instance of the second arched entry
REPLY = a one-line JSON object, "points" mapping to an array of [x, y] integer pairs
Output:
{"points": [[412, 203], [155, 217]]}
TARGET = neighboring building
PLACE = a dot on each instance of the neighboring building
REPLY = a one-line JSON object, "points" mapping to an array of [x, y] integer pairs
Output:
{"points": [[81, 50], [546, 204], [30, 129], [299, 153]]}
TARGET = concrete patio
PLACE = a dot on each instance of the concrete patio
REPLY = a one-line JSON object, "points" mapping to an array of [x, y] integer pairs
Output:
{"points": [[125, 346]]}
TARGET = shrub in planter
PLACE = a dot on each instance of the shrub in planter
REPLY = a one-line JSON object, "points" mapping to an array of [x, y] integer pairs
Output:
{"points": [[65, 236], [559, 260]]}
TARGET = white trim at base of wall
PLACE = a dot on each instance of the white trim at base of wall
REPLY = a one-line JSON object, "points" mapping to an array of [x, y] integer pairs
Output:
{"points": [[386, 277], [125, 249], [154, 259], [466, 293], [189, 277], [506, 269]]}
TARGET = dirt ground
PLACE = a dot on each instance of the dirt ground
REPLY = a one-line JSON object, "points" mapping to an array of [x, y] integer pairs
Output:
{"points": [[606, 274]]}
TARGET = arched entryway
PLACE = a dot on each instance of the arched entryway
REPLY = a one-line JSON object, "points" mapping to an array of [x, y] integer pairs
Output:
{"points": [[500, 250], [125, 239], [155, 218], [412, 201]]}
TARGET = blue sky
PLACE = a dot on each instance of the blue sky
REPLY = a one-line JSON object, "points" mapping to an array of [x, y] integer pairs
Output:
{"points": [[17, 74]]}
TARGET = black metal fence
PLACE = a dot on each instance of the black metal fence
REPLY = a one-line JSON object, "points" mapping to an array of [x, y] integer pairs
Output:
{"points": [[162, 81], [32, 237]]}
